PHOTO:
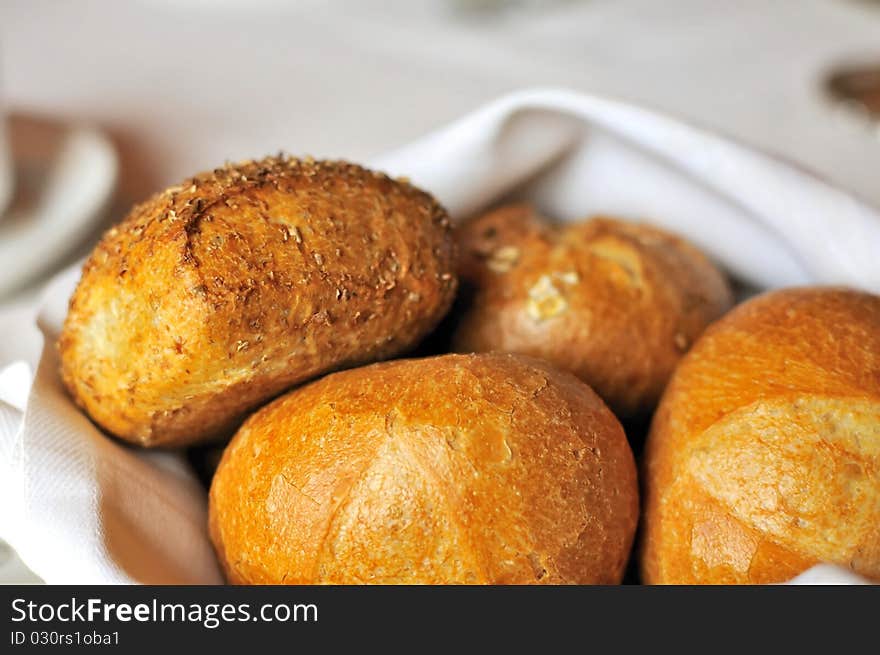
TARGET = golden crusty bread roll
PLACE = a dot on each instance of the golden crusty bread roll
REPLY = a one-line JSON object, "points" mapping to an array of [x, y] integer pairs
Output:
{"points": [[764, 455], [454, 469], [216, 295], [613, 302]]}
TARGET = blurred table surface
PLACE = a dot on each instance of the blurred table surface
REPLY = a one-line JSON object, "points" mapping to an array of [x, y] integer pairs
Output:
{"points": [[184, 85]]}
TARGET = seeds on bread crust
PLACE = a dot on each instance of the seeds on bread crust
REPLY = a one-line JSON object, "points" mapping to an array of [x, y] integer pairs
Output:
{"points": [[221, 292]]}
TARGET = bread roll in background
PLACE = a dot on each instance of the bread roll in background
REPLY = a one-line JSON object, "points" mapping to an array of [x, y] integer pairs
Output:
{"points": [[615, 303], [764, 455], [216, 295], [454, 469]]}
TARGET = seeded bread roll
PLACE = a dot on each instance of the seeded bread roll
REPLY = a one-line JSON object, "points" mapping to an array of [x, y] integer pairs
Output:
{"points": [[764, 456], [484, 469], [216, 295], [615, 303]]}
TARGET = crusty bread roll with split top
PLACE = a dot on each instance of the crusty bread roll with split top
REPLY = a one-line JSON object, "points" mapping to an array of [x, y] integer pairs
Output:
{"points": [[473, 469], [615, 303], [764, 455]]}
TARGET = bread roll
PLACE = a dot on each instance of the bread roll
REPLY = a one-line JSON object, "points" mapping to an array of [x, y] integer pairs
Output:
{"points": [[615, 303], [764, 456], [216, 295], [454, 469]]}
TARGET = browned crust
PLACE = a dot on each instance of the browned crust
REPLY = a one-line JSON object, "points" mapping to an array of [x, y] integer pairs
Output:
{"points": [[215, 295], [764, 455], [455, 469], [615, 303]]}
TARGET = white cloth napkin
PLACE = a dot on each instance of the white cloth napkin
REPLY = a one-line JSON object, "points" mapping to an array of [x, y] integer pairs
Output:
{"points": [[81, 508]]}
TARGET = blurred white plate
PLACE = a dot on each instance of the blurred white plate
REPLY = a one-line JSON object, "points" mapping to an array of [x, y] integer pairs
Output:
{"points": [[65, 175]]}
